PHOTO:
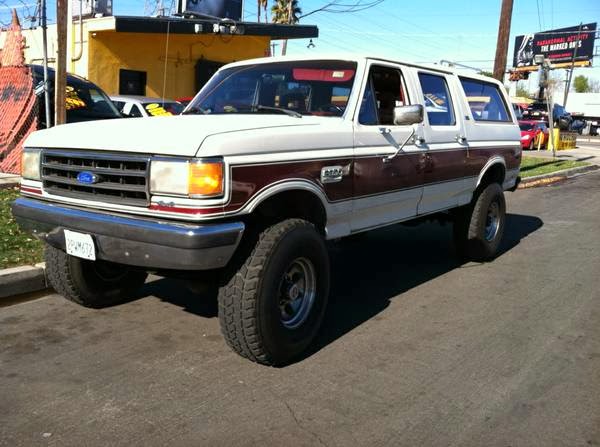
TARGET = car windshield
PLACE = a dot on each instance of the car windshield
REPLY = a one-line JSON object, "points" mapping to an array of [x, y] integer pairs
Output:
{"points": [[158, 108], [86, 103], [526, 126], [296, 88]]}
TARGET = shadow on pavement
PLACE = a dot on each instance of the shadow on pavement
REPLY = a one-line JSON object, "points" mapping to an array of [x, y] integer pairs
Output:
{"points": [[389, 262], [366, 273]]}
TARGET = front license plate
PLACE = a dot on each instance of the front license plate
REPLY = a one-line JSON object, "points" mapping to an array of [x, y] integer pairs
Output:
{"points": [[80, 245]]}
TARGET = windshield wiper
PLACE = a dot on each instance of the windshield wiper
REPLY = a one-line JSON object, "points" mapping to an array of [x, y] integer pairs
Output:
{"points": [[194, 111], [278, 109]]}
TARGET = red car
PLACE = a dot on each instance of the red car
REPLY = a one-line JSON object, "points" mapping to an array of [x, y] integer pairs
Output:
{"points": [[531, 131]]}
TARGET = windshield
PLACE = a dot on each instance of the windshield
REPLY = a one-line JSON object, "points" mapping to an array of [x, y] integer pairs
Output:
{"points": [[526, 126], [303, 87], [86, 103]]}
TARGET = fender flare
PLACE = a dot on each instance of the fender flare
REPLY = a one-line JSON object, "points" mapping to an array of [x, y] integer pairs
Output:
{"points": [[489, 165], [285, 186]]}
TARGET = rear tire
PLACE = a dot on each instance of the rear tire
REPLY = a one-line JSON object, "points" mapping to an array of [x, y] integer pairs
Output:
{"points": [[271, 309], [91, 283], [479, 226]]}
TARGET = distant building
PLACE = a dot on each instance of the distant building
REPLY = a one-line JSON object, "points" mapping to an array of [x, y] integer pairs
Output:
{"points": [[158, 56]]}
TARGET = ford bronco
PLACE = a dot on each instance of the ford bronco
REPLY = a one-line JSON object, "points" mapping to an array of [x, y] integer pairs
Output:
{"points": [[271, 158]]}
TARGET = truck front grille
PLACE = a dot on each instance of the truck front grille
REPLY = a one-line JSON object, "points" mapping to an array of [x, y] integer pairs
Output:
{"points": [[115, 178]]}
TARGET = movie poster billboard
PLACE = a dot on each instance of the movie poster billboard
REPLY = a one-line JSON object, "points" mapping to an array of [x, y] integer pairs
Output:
{"points": [[223, 9], [557, 45]]}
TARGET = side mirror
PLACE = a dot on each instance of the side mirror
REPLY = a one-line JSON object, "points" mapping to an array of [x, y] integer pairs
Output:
{"points": [[406, 115]]}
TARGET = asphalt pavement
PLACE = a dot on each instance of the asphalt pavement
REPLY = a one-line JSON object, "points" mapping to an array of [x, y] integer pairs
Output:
{"points": [[417, 350]]}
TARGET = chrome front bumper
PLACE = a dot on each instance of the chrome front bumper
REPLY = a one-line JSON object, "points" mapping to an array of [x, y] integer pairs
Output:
{"points": [[150, 243]]}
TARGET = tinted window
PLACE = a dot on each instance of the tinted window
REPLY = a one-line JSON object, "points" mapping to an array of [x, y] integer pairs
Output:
{"points": [[436, 98], [162, 108], [485, 101]]}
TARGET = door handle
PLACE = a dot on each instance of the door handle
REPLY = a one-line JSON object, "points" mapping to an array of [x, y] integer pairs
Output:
{"points": [[385, 130], [461, 139]]}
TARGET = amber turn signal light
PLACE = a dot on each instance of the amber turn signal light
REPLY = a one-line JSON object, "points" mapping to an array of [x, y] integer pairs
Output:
{"points": [[205, 179]]}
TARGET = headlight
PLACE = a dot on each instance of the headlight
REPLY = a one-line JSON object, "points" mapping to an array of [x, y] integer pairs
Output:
{"points": [[190, 178], [525, 137], [30, 164]]}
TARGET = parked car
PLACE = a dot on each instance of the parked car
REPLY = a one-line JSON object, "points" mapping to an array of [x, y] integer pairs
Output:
{"points": [[185, 100], [578, 125], [85, 101], [538, 110], [271, 159], [533, 133], [132, 106]]}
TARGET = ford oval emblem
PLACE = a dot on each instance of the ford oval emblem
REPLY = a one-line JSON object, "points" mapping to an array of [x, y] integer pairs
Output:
{"points": [[87, 177]]}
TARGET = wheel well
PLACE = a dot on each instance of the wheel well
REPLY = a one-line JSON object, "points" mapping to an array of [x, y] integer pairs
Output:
{"points": [[295, 203], [494, 174]]}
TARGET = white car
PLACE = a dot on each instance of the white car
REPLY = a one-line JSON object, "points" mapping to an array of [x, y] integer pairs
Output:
{"points": [[133, 106]]}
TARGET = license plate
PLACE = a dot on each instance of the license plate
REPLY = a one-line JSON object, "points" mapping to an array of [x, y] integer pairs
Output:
{"points": [[80, 245]]}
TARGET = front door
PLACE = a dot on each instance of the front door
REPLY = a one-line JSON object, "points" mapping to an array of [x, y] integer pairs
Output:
{"points": [[388, 178]]}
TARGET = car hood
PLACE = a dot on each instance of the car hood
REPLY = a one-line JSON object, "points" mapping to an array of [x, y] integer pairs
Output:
{"points": [[170, 135]]}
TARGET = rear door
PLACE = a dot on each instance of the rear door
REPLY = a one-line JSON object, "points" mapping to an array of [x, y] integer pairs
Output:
{"points": [[445, 142], [387, 177]]}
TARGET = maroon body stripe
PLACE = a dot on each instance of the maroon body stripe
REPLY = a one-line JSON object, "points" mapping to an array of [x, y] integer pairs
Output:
{"points": [[366, 175], [248, 180], [31, 190]]}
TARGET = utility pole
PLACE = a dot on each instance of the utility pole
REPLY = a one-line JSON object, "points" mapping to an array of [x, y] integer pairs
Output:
{"points": [[502, 43], [60, 74], [44, 21]]}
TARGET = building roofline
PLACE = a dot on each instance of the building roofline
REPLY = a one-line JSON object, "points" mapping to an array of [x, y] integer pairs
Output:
{"points": [[180, 25]]}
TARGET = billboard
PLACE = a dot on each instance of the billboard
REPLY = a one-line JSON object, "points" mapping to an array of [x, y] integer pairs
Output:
{"points": [[223, 9], [557, 45]]}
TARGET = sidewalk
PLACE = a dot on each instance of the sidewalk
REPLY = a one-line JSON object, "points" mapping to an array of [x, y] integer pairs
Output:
{"points": [[587, 150]]}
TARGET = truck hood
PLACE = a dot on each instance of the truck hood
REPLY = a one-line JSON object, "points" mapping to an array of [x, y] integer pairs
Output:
{"points": [[170, 135]]}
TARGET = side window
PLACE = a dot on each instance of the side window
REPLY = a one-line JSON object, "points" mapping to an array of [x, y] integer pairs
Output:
{"points": [[383, 93], [437, 101], [135, 111], [485, 100], [119, 105]]}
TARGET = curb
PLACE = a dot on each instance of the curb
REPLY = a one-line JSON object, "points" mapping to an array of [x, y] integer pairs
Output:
{"points": [[553, 177], [24, 279]]}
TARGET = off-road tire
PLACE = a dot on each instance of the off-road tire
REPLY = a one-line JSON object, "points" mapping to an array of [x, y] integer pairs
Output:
{"points": [[82, 281], [249, 312], [470, 224]]}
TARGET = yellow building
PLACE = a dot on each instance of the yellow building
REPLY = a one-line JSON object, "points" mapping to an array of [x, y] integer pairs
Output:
{"points": [[167, 57]]}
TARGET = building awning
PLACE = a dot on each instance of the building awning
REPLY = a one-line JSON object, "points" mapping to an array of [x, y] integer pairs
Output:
{"points": [[177, 25]]}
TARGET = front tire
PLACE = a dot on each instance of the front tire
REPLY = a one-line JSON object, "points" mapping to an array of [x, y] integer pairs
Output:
{"points": [[271, 309], [479, 227], [93, 284]]}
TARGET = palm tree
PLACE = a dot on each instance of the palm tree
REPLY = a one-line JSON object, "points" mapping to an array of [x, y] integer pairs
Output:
{"points": [[280, 11], [262, 4], [288, 12]]}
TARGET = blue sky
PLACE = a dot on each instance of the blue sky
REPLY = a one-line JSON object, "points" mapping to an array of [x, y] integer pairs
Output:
{"points": [[419, 31]]}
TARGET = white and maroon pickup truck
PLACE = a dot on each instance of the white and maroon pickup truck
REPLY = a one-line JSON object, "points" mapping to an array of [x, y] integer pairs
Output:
{"points": [[272, 158]]}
